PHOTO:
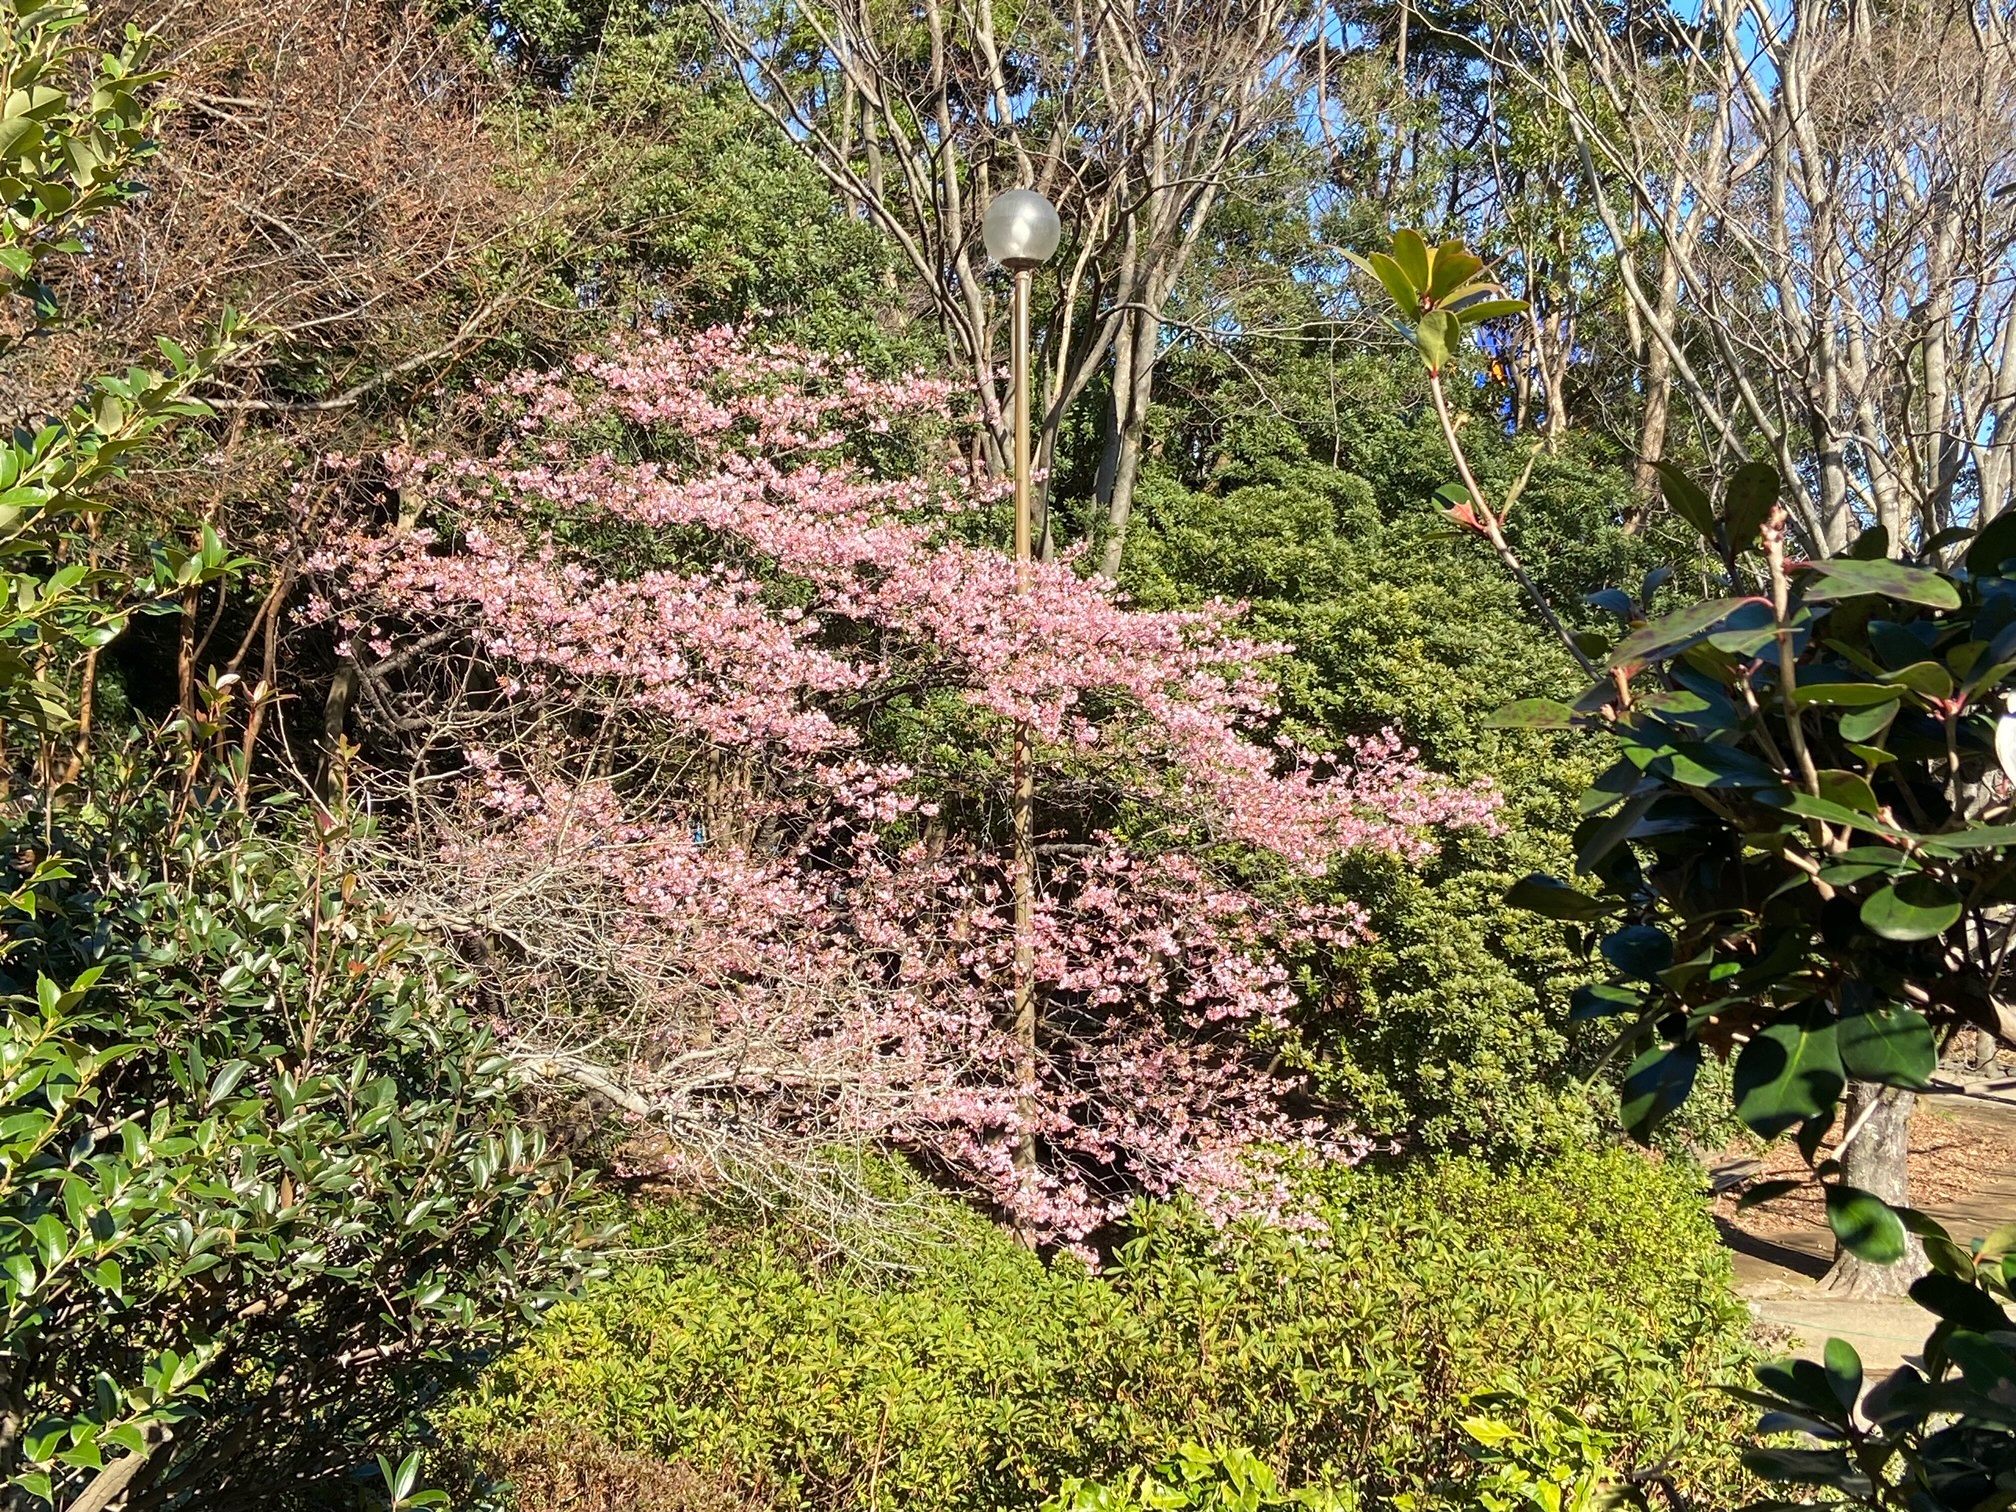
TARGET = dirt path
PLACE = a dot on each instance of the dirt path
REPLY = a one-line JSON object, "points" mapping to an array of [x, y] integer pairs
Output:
{"points": [[1963, 1172]]}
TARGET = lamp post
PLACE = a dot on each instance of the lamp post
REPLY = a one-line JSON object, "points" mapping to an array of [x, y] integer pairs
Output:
{"points": [[1021, 231]]}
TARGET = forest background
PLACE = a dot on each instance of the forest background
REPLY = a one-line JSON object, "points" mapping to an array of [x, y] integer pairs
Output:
{"points": [[508, 730]]}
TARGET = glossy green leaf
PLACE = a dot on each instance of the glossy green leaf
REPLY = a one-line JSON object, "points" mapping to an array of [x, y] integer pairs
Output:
{"points": [[1656, 1083], [1844, 1371], [1862, 725], [1687, 499], [1437, 335], [1603, 1000], [1410, 251], [1917, 907], [1453, 266], [1404, 294], [1927, 678], [1702, 764], [1676, 631], [1994, 544], [1474, 311], [1845, 577], [1849, 789], [1892, 1045], [1865, 1225], [1639, 950], [1810, 807], [1555, 899], [1804, 1467], [1790, 1071]]}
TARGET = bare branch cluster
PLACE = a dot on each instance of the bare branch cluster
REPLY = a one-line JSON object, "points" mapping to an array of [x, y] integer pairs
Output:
{"points": [[1809, 205], [1136, 120]]}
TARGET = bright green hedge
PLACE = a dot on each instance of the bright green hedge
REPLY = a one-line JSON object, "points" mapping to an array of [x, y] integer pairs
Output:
{"points": [[1347, 1359]]}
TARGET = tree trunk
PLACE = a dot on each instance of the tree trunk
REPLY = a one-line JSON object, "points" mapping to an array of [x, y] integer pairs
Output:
{"points": [[1130, 431], [1876, 1162], [1658, 369]]}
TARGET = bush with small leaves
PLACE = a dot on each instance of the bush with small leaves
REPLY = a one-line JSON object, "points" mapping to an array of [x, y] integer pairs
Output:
{"points": [[1213, 1478], [1347, 1357]]}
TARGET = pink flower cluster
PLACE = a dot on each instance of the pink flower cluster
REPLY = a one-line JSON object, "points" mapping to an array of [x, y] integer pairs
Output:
{"points": [[697, 708]]}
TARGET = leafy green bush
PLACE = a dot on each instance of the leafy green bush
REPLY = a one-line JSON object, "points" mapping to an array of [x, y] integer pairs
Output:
{"points": [[1229, 1479], [1347, 1358], [264, 1193], [1454, 1029]]}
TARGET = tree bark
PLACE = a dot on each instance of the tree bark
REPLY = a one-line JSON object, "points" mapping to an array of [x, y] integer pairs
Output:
{"points": [[1658, 368], [1876, 1162], [1133, 387]]}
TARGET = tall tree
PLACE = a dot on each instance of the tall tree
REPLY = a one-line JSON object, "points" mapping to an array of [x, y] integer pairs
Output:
{"points": [[1835, 263], [1136, 120]]}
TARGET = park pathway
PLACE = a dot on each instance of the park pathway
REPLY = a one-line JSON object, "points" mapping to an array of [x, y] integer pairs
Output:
{"points": [[1963, 1164]]}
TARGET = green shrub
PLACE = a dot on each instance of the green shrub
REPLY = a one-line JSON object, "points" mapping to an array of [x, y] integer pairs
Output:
{"points": [[266, 1192], [1200, 1477], [1347, 1358]]}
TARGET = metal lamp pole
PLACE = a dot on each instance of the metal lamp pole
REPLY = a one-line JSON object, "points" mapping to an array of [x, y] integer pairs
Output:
{"points": [[1021, 231]]}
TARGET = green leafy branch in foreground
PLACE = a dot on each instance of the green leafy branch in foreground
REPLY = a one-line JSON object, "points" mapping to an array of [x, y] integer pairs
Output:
{"points": [[1803, 861], [66, 155]]}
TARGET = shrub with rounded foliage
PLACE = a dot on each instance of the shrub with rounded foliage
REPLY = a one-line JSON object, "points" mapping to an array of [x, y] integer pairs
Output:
{"points": [[985, 1378], [1452, 1027]]}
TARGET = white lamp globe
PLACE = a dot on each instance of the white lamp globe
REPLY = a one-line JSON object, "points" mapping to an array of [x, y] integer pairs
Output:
{"points": [[1021, 229]]}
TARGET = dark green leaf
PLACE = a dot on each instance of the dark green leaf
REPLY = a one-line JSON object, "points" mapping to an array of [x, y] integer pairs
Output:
{"points": [[1893, 1046], [1705, 765], [1844, 1371], [1639, 950], [1686, 499], [1806, 1467], [1959, 1302], [1603, 1000], [1927, 678], [1848, 789], [1810, 807], [1842, 695], [1596, 837], [1753, 494], [1980, 837], [1994, 545], [1845, 577], [1555, 899], [1861, 725], [1916, 907], [1657, 1083], [1789, 1072], [1676, 631], [1865, 1225]]}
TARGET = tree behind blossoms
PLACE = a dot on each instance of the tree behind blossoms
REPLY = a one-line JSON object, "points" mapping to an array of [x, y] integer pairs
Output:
{"points": [[688, 695]]}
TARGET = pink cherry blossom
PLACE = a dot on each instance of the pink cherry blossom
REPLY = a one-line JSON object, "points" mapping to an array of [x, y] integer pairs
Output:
{"points": [[672, 627]]}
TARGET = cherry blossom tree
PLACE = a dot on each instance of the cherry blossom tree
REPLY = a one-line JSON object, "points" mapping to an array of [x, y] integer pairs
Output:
{"points": [[690, 689]]}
